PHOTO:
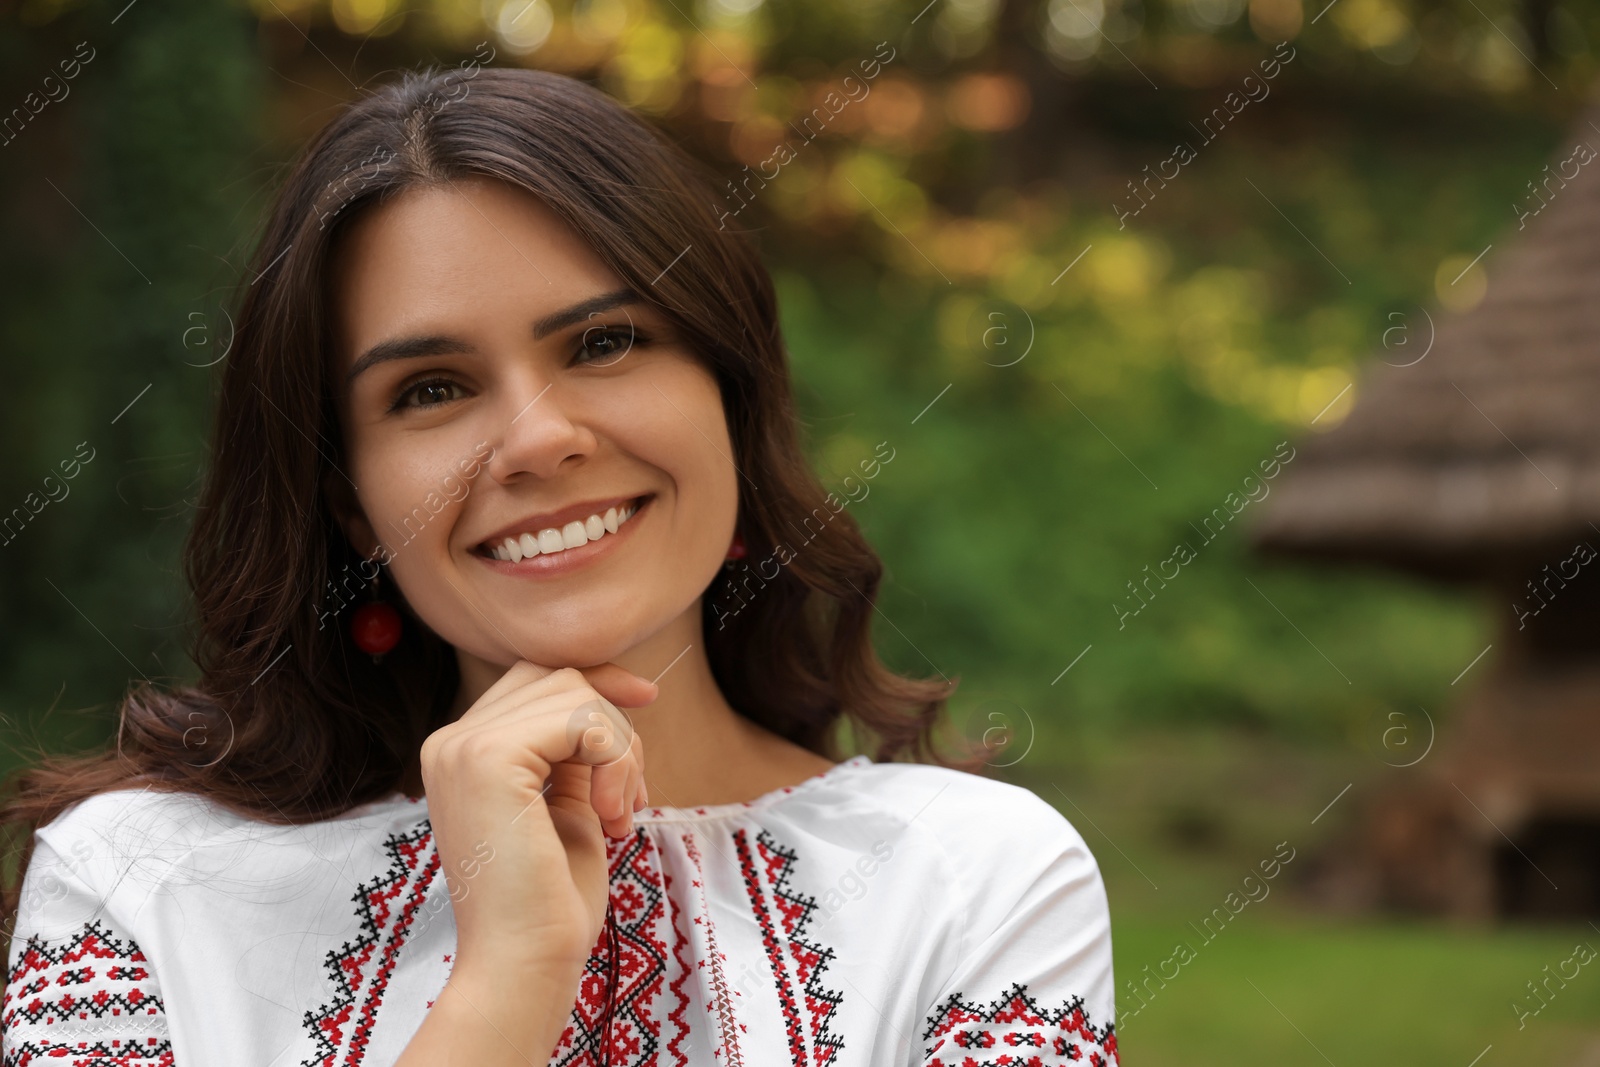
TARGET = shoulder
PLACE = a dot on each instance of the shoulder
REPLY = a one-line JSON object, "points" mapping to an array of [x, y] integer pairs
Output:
{"points": [[126, 834], [996, 839], [1013, 898], [134, 841], [967, 811], [1028, 945]]}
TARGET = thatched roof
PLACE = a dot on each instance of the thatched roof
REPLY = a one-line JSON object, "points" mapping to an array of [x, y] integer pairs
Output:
{"points": [[1487, 451]]}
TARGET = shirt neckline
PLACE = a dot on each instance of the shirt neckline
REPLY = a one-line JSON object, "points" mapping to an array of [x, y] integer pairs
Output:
{"points": [[668, 813]]}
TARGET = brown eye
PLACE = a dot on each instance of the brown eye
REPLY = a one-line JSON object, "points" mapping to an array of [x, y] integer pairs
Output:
{"points": [[430, 393], [603, 346]]}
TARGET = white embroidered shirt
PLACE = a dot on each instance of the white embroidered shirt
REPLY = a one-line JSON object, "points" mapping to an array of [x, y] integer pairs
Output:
{"points": [[881, 915]]}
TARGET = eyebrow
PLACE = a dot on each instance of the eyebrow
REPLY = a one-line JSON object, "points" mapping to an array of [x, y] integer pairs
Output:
{"points": [[442, 344]]}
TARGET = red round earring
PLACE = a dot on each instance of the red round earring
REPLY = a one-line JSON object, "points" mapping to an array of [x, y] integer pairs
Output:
{"points": [[737, 549], [375, 626]]}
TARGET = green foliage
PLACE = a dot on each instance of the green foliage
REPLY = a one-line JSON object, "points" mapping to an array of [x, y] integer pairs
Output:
{"points": [[126, 202], [1011, 525]]}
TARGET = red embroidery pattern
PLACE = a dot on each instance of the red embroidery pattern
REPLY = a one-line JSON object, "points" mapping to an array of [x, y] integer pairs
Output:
{"points": [[679, 942], [413, 862], [809, 958], [728, 1025], [85, 989], [615, 1021], [1017, 1031]]}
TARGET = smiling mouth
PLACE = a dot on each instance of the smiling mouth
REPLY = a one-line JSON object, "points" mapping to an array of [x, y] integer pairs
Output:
{"points": [[553, 541]]}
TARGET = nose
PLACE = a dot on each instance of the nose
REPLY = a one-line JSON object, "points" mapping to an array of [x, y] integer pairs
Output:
{"points": [[540, 435]]}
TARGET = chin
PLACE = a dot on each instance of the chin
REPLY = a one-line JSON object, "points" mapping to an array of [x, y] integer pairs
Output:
{"points": [[578, 652], [568, 646], [586, 630]]}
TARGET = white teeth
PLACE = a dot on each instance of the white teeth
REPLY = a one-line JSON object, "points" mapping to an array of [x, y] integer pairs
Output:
{"points": [[573, 535]]}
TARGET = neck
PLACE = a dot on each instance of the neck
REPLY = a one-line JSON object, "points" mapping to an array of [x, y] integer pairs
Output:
{"points": [[698, 749]]}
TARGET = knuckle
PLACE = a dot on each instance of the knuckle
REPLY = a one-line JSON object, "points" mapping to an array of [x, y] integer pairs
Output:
{"points": [[477, 748], [431, 746]]}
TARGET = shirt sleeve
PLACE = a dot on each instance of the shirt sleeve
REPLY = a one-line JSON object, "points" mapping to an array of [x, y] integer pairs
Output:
{"points": [[79, 989], [1033, 982]]}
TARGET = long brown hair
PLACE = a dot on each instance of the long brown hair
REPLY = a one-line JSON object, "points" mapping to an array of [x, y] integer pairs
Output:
{"points": [[289, 722]]}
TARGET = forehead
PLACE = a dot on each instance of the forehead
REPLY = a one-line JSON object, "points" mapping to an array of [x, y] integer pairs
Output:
{"points": [[455, 253]]}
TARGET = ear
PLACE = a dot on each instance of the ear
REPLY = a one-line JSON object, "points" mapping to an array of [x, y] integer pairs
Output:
{"points": [[341, 498]]}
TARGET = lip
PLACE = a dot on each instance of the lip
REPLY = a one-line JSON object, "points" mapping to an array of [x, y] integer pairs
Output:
{"points": [[549, 520], [568, 559]]}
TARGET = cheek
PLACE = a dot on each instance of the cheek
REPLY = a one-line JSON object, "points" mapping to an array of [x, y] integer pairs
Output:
{"points": [[410, 490], [676, 423]]}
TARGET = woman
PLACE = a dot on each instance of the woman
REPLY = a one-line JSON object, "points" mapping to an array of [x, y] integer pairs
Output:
{"points": [[498, 343]]}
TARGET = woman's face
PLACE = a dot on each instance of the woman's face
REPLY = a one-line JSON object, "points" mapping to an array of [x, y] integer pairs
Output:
{"points": [[497, 381]]}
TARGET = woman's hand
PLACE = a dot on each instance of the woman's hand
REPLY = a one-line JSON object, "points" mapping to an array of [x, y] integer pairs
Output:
{"points": [[522, 790]]}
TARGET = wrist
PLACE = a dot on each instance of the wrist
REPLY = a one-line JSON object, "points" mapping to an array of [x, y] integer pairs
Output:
{"points": [[525, 955], [512, 982], [515, 1008]]}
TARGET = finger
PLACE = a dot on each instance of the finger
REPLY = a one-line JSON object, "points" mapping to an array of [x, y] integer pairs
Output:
{"points": [[518, 674], [617, 684], [630, 793], [608, 797], [532, 690], [638, 756], [598, 733], [525, 682], [641, 796], [620, 685], [609, 786], [517, 677], [542, 733], [630, 786]]}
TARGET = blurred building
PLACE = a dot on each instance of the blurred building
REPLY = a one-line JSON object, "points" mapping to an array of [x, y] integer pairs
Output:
{"points": [[1472, 455]]}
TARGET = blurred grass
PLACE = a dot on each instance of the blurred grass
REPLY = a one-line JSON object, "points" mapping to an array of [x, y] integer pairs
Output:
{"points": [[1292, 992]]}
